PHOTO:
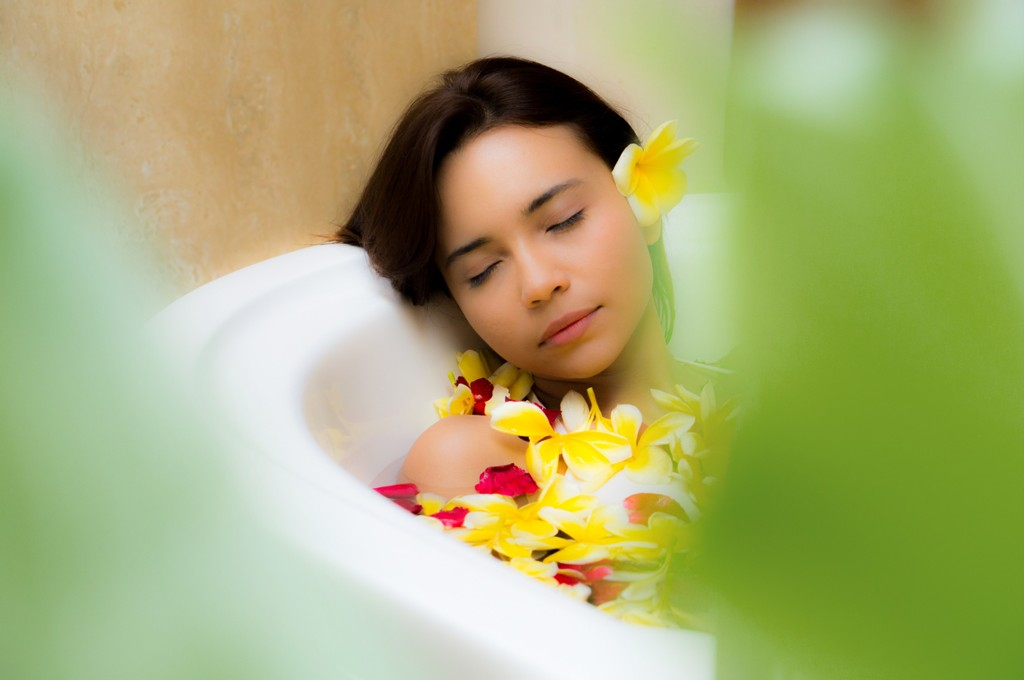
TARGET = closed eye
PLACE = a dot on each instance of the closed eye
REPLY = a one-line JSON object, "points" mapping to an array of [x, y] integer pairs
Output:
{"points": [[565, 224], [475, 281]]}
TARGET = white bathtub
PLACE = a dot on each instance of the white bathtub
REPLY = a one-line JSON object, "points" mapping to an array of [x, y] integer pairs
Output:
{"points": [[321, 378]]}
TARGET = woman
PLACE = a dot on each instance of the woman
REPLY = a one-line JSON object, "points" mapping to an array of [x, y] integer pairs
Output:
{"points": [[497, 188]]}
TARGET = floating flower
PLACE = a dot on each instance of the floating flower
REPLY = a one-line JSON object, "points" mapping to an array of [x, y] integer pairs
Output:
{"points": [[498, 523], [650, 177], [590, 455], [508, 480], [651, 462], [604, 534], [403, 495]]}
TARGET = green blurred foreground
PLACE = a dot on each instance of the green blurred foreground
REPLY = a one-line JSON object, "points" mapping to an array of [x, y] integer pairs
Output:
{"points": [[873, 518], [124, 551]]}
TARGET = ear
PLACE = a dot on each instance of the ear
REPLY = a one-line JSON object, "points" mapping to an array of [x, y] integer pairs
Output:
{"points": [[652, 233]]}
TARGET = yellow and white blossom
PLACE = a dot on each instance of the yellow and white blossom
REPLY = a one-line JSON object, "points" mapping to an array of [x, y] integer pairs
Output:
{"points": [[590, 454], [650, 177], [497, 522]]}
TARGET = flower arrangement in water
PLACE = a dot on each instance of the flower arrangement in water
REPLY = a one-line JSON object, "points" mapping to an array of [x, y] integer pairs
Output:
{"points": [[550, 520]]}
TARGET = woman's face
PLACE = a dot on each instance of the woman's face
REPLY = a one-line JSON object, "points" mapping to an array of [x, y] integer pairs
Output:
{"points": [[541, 252]]}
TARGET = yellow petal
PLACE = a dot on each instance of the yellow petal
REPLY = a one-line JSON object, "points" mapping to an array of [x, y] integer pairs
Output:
{"points": [[491, 503], [472, 365], [534, 568], [650, 465], [615, 448], [672, 155], [460, 403], [571, 523], [624, 171], [542, 461], [644, 208], [586, 462], [534, 528], [626, 421], [669, 401], [496, 400], [505, 375], [431, 502], [579, 553], [522, 419], [664, 429], [575, 412], [521, 387], [661, 137]]}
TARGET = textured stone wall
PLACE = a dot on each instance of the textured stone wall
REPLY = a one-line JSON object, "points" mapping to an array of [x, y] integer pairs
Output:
{"points": [[236, 129]]}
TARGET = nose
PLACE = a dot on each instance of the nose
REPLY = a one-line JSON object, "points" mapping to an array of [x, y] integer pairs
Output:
{"points": [[541, 276]]}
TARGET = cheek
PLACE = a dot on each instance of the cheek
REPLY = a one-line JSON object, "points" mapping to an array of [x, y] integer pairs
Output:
{"points": [[625, 260], [488, 318]]}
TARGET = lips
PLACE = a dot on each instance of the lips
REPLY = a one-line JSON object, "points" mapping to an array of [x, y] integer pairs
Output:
{"points": [[568, 327]]}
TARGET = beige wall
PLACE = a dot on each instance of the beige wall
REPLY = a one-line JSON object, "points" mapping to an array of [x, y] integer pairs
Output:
{"points": [[237, 129]]}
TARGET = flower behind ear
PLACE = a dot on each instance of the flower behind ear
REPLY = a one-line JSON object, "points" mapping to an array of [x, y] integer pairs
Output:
{"points": [[650, 177]]}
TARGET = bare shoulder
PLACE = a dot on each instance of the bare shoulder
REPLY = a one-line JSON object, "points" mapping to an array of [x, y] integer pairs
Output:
{"points": [[449, 456]]}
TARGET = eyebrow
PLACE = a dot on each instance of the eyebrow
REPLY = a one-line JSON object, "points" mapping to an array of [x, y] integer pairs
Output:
{"points": [[534, 206], [536, 203], [463, 250]]}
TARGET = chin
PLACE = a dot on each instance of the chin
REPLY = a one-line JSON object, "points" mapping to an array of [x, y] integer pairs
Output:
{"points": [[582, 364]]}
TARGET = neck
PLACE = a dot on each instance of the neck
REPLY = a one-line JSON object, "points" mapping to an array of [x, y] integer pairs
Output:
{"points": [[645, 363]]}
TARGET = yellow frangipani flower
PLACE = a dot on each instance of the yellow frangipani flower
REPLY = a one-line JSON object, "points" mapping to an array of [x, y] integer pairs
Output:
{"points": [[606, 533], [497, 522], [566, 494], [589, 454], [460, 403], [650, 177], [651, 462]]}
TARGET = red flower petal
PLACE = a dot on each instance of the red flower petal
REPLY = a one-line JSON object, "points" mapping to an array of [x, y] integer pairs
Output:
{"points": [[482, 389], [567, 580], [588, 573], [552, 414], [642, 505], [453, 517], [462, 381], [412, 506], [398, 491], [507, 480], [598, 573]]}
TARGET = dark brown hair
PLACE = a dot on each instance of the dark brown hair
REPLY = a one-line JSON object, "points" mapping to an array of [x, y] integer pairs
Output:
{"points": [[396, 218]]}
